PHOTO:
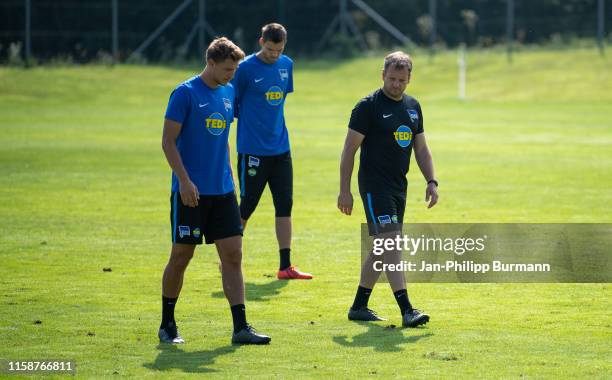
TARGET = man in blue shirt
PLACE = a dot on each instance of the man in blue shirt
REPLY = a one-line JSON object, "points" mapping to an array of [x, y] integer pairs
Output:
{"points": [[262, 83], [203, 202]]}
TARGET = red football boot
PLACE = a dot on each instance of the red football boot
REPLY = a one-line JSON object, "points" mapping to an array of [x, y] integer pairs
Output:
{"points": [[292, 273]]}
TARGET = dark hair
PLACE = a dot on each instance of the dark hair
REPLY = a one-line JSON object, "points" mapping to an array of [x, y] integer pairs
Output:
{"points": [[274, 32], [222, 48], [399, 60]]}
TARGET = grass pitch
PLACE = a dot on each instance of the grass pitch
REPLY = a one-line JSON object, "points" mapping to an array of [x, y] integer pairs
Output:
{"points": [[84, 186]]}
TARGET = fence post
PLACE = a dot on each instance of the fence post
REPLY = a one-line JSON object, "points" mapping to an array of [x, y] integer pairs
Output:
{"points": [[201, 23], [28, 34], [343, 16], [433, 33], [600, 25], [509, 27], [115, 32], [462, 66]]}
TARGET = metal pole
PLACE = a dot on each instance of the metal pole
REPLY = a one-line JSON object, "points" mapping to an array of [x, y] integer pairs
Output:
{"points": [[28, 34], [343, 16], [600, 25], [434, 24], [356, 33], [115, 32], [462, 65], [328, 32], [160, 29], [201, 23], [386, 25], [509, 27]]}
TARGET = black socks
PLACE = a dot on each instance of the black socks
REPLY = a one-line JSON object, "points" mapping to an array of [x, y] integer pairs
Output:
{"points": [[401, 296], [239, 317], [285, 258], [363, 295], [361, 298], [238, 314], [167, 311]]}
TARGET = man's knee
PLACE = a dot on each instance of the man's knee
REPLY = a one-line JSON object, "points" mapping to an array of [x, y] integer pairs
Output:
{"points": [[230, 252], [283, 203], [180, 256], [247, 206], [232, 259], [371, 261]]}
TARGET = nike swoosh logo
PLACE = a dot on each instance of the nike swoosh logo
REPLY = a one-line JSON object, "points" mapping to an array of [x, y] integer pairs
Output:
{"points": [[386, 116], [258, 80], [203, 105]]}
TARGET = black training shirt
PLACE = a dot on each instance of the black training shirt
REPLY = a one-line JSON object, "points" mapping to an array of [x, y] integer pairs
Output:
{"points": [[389, 127]]}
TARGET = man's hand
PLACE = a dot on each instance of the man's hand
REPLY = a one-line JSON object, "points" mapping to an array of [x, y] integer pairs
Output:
{"points": [[431, 192], [189, 193], [345, 203]]}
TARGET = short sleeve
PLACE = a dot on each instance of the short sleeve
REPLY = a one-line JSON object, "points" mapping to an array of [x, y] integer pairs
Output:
{"points": [[420, 126], [239, 87], [290, 79], [360, 117], [178, 105], [232, 97]]}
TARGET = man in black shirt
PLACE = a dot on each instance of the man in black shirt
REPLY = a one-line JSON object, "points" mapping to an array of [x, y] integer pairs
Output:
{"points": [[387, 125]]}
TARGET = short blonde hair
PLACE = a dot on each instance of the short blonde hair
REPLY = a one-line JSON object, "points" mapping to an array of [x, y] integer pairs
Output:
{"points": [[223, 48]]}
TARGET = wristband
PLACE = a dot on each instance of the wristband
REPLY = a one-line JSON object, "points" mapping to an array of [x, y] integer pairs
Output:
{"points": [[433, 181]]}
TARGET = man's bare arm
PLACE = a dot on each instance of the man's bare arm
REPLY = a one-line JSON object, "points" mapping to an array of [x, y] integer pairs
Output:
{"points": [[188, 190], [230, 161], [424, 159], [347, 162]]}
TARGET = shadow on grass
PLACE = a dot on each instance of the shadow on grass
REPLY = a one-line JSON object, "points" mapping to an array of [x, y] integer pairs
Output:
{"points": [[381, 338], [173, 357], [258, 292]]}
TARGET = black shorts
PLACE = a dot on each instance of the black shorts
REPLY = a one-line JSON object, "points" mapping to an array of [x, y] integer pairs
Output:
{"points": [[216, 217], [384, 212], [254, 172]]}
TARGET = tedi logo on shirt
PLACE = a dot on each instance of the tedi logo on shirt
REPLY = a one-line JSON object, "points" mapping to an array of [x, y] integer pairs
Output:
{"points": [[403, 136], [274, 95], [215, 123]]}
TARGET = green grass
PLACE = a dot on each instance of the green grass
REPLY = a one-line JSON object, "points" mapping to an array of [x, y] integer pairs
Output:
{"points": [[84, 186]]}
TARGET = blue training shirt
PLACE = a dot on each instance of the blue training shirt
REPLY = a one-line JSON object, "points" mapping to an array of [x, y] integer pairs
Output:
{"points": [[205, 115], [261, 90]]}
